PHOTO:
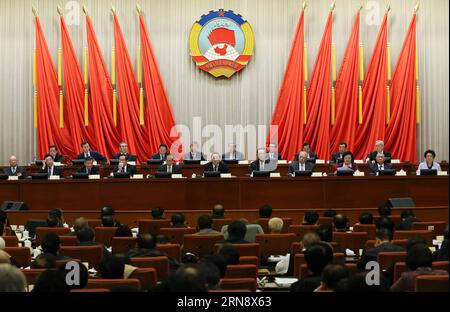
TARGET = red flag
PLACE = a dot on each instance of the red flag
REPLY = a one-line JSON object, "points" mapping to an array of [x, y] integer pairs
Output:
{"points": [[374, 98], [288, 113], [347, 93], [100, 87], [317, 129], [159, 119], [128, 120], [49, 132], [401, 130]]}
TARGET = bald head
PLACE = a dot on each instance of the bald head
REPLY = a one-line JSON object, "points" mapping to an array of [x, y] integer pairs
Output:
{"points": [[4, 257], [13, 161]]}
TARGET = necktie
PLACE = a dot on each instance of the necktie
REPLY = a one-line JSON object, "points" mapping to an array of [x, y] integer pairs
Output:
{"points": [[192, 156], [381, 167], [302, 167], [49, 171], [13, 170], [261, 166], [169, 169], [215, 168]]}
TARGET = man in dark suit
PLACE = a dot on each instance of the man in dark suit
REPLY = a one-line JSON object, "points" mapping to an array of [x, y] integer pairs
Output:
{"points": [[380, 165], [262, 163], [233, 153], [123, 151], [306, 147], [146, 247], [53, 151], [379, 146], [124, 167], [273, 154], [193, 153], [170, 166], [88, 153], [340, 154], [162, 153], [236, 233], [14, 169], [382, 244], [216, 164], [51, 169], [302, 164], [89, 167]]}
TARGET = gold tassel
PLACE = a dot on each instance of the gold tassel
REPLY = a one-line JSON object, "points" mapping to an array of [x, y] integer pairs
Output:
{"points": [[141, 106], [60, 67], [360, 101], [115, 107], [388, 104], [417, 104], [86, 107], [333, 108], [61, 109], [35, 108]]}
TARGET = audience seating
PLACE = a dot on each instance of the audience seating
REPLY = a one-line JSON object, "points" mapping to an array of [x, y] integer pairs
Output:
{"points": [[11, 241], [176, 234], [123, 244], [241, 271], [325, 220], [427, 235], [297, 247], [398, 242], [251, 249], [64, 261], [111, 284], [90, 254], [236, 284], [396, 218], [42, 231], [92, 290], [146, 276], [152, 226], [171, 250], [400, 268], [299, 260], [301, 230], [352, 268], [68, 240], [22, 255], [386, 259], [93, 223], [438, 227], [31, 275], [249, 260], [160, 264], [432, 283], [264, 222], [217, 224], [104, 235], [371, 229], [275, 244], [200, 245], [351, 240]]}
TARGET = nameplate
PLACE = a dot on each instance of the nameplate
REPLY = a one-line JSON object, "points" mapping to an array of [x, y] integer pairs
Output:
{"points": [[395, 161], [282, 162], [358, 174], [54, 177], [225, 175], [177, 176], [133, 163], [94, 177], [243, 162], [57, 164], [320, 161], [95, 163], [275, 175], [359, 161], [440, 238], [203, 162], [442, 173], [316, 174], [400, 173], [431, 228], [13, 178], [137, 176]]}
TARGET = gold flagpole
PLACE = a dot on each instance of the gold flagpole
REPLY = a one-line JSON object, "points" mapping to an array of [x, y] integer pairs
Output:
{"points": [[139, 76], [333, 82], [305, 74], [361, 80], [418, 117], [35, 97], [388, 83], [86, 79], [60, 80]]}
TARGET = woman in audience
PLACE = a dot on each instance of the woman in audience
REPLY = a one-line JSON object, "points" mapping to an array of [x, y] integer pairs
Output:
{"points": [[429, 162], [348, 163], [331, 276]]}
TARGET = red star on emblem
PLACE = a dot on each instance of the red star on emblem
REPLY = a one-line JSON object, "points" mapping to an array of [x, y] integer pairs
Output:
{"points": [[221, 13]]}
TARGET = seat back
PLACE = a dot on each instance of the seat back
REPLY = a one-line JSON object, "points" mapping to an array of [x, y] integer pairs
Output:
{"points": [[241, 271], [90, 254], [426, 234], [371, 229], [440, 265], [395, 218], [160, 264], [31, 275], [249, 260], [152, 226], [297, 247], [264, 222], [275, 244], [301, 230], [438, 227], [146, 276], [93, 223], [353, 240], [236, 284], [11, 241], [68, 240], [386, 259], [200, 245], [104, 235], [352, 268], [299, 260], [123, 244], [171, 250], [176, 234], [86, 290], [111, 284], [217, 224], [22, 255], [251, 249], [42, 231], [432, 283], [399, 242], [325, 220], [64, 261]]}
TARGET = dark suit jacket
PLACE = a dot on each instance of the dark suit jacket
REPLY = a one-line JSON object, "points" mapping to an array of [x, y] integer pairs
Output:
{"points": [[372, 254], [131, 169], [94, 170], [307, 284], [373, 169], [96, 155], [21, 170], [158, 156], [144, 252], [106, 253], [56, 171], [129, 157], [276, 156], [222, 167], [255, 166], [295, 166], [312, 155], [57, 158], [176, 169], [373, 155], [335, 157], [194, 156]]}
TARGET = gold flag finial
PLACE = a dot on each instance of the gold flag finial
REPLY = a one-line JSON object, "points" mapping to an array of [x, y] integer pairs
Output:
{"points": [[33, 9], [138, 9], [304, 5], [388, 7], [59, 9], [416, 8], [85, 11], [113, 10], [333, 5], [361, 5]]}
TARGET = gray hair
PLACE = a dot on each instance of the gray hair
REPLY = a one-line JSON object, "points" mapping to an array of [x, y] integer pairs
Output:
{"points": [[12, 279], [303, 153], [380, 154], [215, 154], [379, 142], [275, 224]]}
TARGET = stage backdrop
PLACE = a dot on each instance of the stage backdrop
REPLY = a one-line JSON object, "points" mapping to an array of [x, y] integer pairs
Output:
{"points": [[249, 96]]}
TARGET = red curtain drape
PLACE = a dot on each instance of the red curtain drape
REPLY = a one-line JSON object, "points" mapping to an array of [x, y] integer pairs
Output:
{"points": [[159, 119], [128, 121], [74, 94], [317, 129], [401, 130], [49, 132], [346, 88], [374, 98], [100, 100], [288, 112]]}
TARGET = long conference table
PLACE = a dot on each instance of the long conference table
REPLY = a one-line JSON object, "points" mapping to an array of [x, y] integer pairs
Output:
{"points": [[233, 193]]}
